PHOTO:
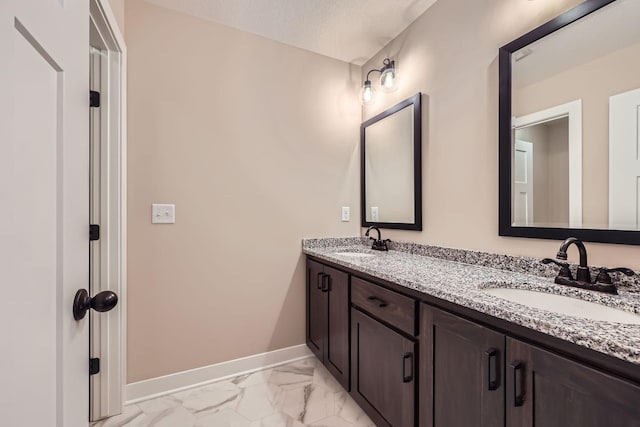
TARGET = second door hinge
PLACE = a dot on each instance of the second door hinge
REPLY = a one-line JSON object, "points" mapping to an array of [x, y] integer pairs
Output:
{"points": [[94, 232], [94, 98]]}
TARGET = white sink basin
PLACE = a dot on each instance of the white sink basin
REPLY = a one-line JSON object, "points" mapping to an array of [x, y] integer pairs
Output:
{"points": [[354, 254], [565, 305]]}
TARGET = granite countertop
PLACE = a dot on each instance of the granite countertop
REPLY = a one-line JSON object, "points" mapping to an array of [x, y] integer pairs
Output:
{"points": [[459, 276]]}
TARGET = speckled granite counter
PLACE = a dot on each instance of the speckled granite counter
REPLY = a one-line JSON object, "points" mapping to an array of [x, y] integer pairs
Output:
{"points": [[459, 276]]}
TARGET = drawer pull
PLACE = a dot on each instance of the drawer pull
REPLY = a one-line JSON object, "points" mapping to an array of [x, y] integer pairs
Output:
{"points": [[320, 281], [518, 384], [380, 302], [407, 378]]}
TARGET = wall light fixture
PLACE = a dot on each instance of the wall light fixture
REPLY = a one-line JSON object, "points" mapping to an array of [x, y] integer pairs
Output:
{"points": [[387, 81]]}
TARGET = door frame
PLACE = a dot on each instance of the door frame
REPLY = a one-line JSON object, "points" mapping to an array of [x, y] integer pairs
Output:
{"points": [[573, 111], [110, 336]]}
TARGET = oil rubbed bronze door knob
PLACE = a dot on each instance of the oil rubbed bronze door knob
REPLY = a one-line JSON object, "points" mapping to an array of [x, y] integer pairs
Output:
{"points": [[103, 301]]}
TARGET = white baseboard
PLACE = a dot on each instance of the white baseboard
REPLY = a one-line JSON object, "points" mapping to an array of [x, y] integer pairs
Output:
{"points": [[167, 384]]}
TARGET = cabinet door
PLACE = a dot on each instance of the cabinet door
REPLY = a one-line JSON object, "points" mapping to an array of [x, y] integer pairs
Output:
{"points": [[461, 372], [546, 390], [316, 309], [383, 371], [336, 357]]}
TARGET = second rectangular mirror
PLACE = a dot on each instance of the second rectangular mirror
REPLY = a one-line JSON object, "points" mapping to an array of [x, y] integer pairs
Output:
{"points": [[569, 102]]}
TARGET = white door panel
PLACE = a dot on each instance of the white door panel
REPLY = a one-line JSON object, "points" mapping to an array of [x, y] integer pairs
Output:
{"points": [[624, 161], [43, 223], [523, 184]]}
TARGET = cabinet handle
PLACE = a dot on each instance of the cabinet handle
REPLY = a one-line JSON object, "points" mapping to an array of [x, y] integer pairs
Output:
{"points": [[407, 378], [518, 380], [320, 280], [381, 303], [326, 283], [492, 369]]}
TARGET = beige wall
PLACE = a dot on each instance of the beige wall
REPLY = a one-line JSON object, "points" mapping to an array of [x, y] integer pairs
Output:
{"points": [[558, 184], [257, 144], [117, 6], [450, 54]]}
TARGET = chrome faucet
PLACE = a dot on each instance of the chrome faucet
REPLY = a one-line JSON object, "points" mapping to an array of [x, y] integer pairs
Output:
{"points": [[378, 244], [602, 282]]}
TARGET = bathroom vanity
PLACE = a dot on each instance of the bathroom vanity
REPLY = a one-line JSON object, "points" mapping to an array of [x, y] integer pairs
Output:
{"points": [[427, 344]]}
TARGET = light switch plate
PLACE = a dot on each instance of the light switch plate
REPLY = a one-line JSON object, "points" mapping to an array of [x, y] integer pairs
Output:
{"points": [[346, 213], [163, 213], [374, 214]]}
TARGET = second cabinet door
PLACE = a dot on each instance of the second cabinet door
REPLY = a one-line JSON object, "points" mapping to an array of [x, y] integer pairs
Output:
{"points": [[547, 390], [336, 349], [383, 370], [461, 372]]}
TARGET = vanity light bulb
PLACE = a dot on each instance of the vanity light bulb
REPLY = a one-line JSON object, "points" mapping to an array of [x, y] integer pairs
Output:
{"points": [[367, 93], [388, 79]]}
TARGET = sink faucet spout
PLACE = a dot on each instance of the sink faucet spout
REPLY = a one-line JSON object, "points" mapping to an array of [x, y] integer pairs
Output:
{"points": [[378, 244], [582, 274]]}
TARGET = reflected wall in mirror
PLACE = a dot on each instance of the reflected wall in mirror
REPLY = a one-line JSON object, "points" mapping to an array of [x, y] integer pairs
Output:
{"points": [[391, 176], [570, 126]]}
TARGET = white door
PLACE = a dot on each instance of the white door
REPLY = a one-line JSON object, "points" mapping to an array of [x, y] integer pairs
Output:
{"points": [[624, 160], [523, 183], [44, 171]]}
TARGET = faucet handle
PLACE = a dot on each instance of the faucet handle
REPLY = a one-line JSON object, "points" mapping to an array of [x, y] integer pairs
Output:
{"points": [[603, 274], [564, 267], [627, 271], [380, 245]]}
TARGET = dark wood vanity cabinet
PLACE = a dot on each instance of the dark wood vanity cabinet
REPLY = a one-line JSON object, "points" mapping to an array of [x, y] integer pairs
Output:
{"points": [[328, 318], [383, 371], [547, 390], [461, 372], [408, 363]]}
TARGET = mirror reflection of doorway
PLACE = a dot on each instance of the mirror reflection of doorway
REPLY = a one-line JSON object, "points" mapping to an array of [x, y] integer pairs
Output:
{"points": [[547, 168]]}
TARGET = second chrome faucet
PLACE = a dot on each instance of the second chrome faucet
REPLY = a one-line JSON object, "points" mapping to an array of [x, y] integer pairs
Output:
{"points": [[602, 282]]}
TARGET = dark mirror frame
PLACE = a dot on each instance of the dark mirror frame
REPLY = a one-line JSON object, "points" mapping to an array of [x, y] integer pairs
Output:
{"points": [[505, 143], [417, 165]]}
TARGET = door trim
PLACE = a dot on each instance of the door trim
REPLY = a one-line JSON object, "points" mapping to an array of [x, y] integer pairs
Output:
{"points": [[112, 336]]}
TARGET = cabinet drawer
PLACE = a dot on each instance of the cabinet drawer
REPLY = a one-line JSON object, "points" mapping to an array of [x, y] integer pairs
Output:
{"points": [[391, 307]]}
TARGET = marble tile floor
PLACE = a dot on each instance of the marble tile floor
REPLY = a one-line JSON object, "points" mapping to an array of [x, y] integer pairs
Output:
{"points": [[299, 394]]}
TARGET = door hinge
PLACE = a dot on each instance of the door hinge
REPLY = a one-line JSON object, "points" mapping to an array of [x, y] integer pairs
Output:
{"points": [[94, 232], [94, 365], [94, 98]]}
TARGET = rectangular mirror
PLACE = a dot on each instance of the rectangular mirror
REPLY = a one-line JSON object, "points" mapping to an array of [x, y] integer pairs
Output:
{"points": [[570, 126], [391, 171]]}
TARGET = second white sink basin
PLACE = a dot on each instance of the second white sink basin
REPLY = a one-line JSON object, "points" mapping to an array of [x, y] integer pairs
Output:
{"points": [[354, 254], [565, 305]]}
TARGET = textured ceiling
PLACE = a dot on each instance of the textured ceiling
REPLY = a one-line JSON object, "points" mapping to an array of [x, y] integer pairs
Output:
{"points": [[349, 30]]}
